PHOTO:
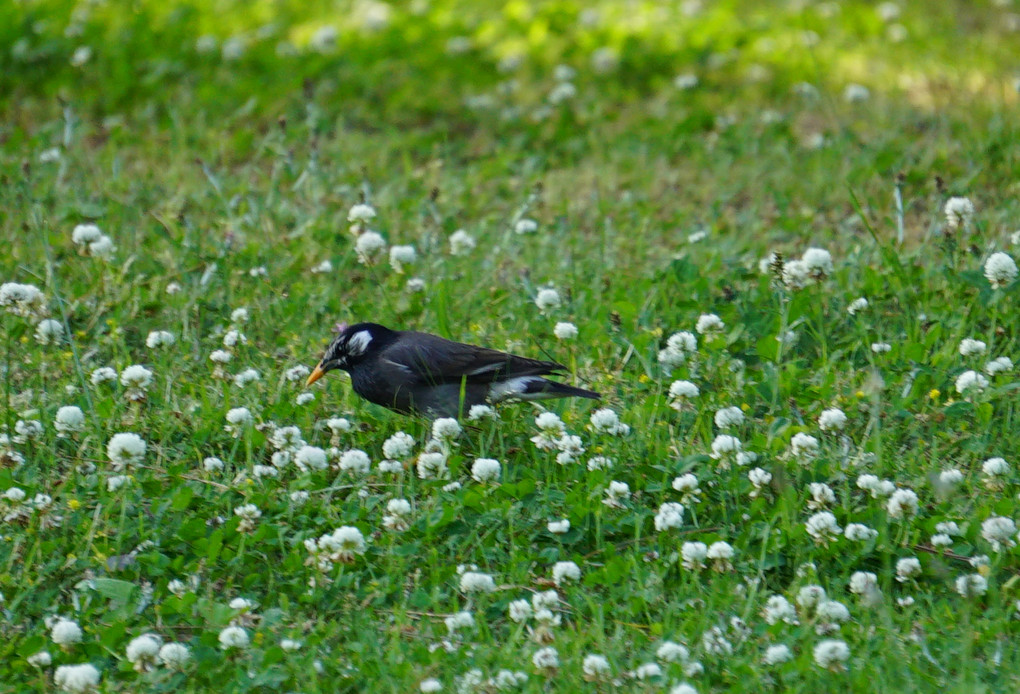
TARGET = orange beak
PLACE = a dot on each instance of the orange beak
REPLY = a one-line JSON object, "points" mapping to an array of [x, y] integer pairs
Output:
{"points": [[316, 374]]}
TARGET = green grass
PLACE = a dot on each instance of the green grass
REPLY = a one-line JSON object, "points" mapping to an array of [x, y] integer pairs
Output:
{"points": [[202, 169]]}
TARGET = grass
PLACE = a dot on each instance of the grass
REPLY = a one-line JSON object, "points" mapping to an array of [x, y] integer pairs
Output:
{"points": [[202, 169]]}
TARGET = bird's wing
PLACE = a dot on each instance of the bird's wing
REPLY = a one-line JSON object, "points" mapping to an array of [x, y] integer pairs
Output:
{"points": [[434, 360]]}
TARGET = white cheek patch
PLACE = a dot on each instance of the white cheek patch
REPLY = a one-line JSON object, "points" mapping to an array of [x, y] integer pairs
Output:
{"points": [[358, 343]]}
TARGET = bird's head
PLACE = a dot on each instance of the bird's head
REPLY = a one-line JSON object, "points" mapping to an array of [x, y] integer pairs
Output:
{"points": [[350, 346]]}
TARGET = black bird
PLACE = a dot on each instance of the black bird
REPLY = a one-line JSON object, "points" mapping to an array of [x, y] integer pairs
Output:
{"points": [[422, 374]]}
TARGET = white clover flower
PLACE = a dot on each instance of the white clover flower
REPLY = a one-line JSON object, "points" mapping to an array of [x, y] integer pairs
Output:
{"points": [[23, 300], [564, 91], [831, 654], [247, 376], [818, 262], [476, 582], [970, 382], [606, 421], [902, 504], [42, 659], [714, 641], [821, 495], [458, 621], [239, 316], [158, 339], [323, 268], [881, 347], [369, 247], [950, 477], [104, 374], [721, 553], [810, 597], [237, 419], [779, 609], [858, 532], [683, 687], [398, 446], [759, 477], [559, 527], [693, 555], [570, 448], [804, 446], [670, 652], [970, 347], [709, 324], [234, 637], [142, 651], [102, 248], [546, 658], [670, 515], [599, 462], [115, 482], [857, 305], [729, 417], [647, 671], [907, 569], [478, 413], [856, 93], [401, 256], [15, 495], [303, 398], [876, 487], [959, 212], [220, 356], [341, 425], [485, 470], [525, 226], [69, 419], [233, 338], [547, 299], [822, 527], [290, 644], [446, 429], [997, 366], [687, 485], [796, 274], [830, 615], [125, 449], [431, 465], [26, 430], [361, 214], [136, 379], [972, 585], [77, 679], [565, 331], [680, 392], [297, 373], [941, 540], [725, 447], [65, 632], [313, 458], [999, 531], [84, 234], [174, 655], [398, 514], [565, 572], [354, 461], [519, 611], [865, 584], [777, 654], [833, 419], [461, 242], [1000, 269], [616, 494], [415, 285], [596, 667], [49, 332]]}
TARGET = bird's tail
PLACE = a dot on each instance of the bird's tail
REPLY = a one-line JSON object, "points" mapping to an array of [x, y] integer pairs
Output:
{"points": [[552, 389]]}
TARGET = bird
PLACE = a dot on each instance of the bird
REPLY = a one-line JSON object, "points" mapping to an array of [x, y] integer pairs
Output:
{"points": [[420, 374]]}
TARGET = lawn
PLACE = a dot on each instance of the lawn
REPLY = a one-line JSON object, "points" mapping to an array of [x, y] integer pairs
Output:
{"points": [[779, 238]]}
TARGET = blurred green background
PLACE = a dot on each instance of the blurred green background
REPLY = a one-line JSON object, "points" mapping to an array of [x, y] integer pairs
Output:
{"points": [[396, 61]]}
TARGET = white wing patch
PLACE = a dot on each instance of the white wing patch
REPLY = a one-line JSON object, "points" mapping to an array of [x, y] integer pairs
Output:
{"points": [[358, 343], [514, 389]]}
